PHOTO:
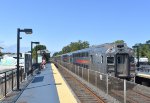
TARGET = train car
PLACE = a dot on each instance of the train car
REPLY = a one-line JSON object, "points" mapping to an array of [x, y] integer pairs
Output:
{"points": [[65, 58], [57, 58], [143, 75], [114, 59]]}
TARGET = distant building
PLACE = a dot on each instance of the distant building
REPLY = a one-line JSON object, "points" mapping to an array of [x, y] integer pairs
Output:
{"points": [[11, 59], [142, 60], [8, 60]]}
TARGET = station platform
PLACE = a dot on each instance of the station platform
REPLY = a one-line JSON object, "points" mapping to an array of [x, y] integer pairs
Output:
{"points": [[47, 87]]}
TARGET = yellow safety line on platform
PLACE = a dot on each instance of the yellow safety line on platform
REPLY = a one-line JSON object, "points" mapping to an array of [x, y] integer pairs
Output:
{"points": [[64, 93]]}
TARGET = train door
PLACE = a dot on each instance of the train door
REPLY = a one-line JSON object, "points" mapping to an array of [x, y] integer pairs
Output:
{"points": [[91, 64], [122, 65], [91, 58]]}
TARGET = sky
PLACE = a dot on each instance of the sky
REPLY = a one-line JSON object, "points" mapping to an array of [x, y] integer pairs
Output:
{"points": [[56, 23]]}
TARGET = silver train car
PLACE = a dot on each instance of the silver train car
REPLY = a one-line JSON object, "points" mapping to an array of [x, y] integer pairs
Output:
{"points": [[109, 58]]}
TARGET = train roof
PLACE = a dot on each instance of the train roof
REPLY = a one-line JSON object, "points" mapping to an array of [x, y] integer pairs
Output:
{"points": [[103, 48]]}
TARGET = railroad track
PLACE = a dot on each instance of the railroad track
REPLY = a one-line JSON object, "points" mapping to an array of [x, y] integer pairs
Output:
{"points": [[133, 96], [83, 93], [138, 97]]}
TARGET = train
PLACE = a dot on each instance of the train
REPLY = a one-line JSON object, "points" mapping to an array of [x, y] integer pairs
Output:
{"points": [[142, 75], [115, 59]]}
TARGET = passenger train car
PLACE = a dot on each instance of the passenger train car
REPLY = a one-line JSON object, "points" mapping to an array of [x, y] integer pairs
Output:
{"points": [[109, 58]]}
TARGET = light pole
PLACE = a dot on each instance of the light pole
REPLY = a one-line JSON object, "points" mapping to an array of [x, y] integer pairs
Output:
{"points": [[27, 31], [138, 63], [31, 54]]}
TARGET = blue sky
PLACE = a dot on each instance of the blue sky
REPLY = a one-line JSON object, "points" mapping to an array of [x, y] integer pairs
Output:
{"points": [[56, 23]]}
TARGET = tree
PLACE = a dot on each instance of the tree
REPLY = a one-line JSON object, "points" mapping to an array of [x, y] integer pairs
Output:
{"points": [[85, 44], [73, 46], [55, 54], [1, 54], [66, 49], [144, 49], [79, 45], [119, 41], [36, 48], [148, 42]]}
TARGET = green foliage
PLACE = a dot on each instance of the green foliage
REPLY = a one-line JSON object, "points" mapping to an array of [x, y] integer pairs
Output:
{"points": [[119, 41], [39, 47], [36, 48], [56, 53], [148, 42], [73, 46], [66, 49], [144, 49], [1, 54], [78, 45]]}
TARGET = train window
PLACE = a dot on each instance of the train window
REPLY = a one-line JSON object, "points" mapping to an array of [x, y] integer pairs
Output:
{"points": [[80, 54], [101, 59], [110, 59], [87, 54], [120, 59], [84, 54]]}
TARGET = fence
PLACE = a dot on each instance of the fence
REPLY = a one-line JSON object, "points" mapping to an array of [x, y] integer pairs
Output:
{"points": [[121, 90], [8, 81]]}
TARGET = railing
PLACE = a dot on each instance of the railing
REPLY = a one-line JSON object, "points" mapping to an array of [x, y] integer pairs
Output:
{"points": [[8, 81], [119, 89]]}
